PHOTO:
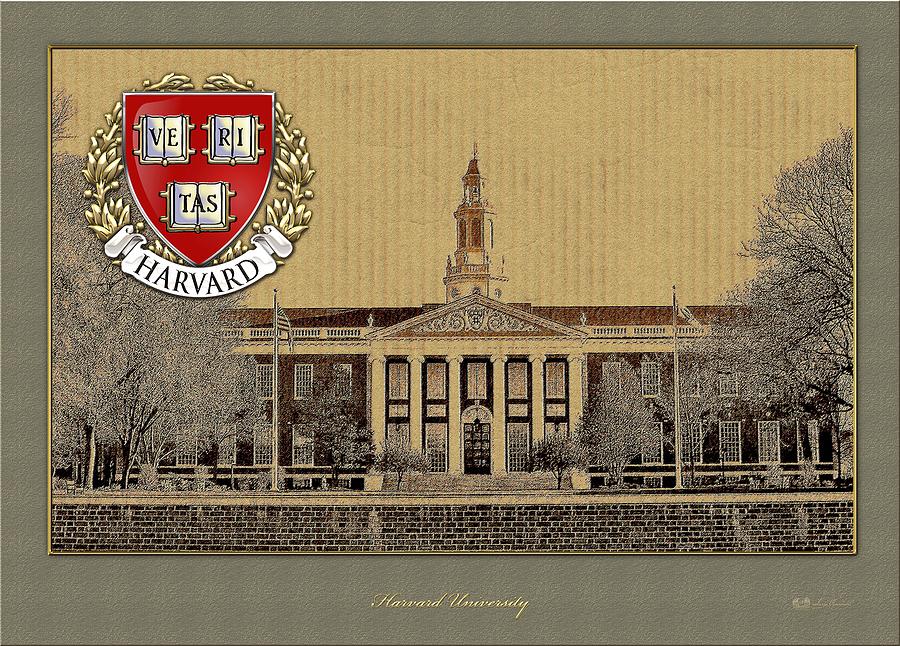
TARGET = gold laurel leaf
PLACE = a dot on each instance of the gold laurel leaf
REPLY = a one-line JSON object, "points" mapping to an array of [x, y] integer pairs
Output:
{"points": [[226, 82]]}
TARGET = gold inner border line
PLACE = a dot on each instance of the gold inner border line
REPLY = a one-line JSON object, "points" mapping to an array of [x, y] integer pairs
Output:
{"points": [[457, 46]]}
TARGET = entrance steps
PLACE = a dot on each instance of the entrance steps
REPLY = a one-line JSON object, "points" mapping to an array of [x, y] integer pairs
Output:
{"points": [[444, 482]]}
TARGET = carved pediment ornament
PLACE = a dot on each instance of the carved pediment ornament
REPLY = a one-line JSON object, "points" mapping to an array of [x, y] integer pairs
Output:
{"points": [[476, 318]]}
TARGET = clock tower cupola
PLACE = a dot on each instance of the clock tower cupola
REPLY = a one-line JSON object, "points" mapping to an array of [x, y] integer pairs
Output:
{"points": [[469, 269]]}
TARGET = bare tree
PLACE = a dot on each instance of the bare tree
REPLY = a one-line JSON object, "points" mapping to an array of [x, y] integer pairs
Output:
{"points": [[796, 315], [138, 368], [331, 420], [615, 424], [700, 402], [62, 109]]}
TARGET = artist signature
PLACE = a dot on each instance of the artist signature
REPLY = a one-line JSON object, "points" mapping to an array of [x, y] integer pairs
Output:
{"points": [[813, 603]]}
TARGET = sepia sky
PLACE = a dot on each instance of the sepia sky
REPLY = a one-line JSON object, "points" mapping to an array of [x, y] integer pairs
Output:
{"points": [[614, 173]]}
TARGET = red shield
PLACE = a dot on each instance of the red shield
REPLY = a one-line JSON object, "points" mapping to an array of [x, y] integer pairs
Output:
{"points": [[198, 164]]}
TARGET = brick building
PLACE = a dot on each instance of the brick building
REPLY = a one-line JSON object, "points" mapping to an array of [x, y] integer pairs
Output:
{"points": [[475, 381]]}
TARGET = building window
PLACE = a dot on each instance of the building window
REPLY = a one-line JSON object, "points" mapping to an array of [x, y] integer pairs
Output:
{"points": [[262, 445], [730, 441], [812, 431], [556, 428], [264, 376], [186, 451], [693, 386], [435, 408], [303, 453], [517, 446], [555, 398], [611, 375], [397, 432], [397, 428], [691, 443], [227, 453], [343, 380], [476, 380], [768, 435], [303, 380], [649, 378], [517, 392], [436, 381], [555, 379], [517, 379], [728, 384], [436, 447], [475, 233], [461, 234], [651, 452], [398, 380]]}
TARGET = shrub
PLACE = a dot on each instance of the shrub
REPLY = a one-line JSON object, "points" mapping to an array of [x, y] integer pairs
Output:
{"points": [[203, 480], [398, 458], [263, 481], [148, 478], [558, 455], [808, 477], [773, 478]]}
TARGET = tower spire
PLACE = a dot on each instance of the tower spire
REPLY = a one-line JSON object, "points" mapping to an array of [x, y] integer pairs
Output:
{"points": [[469, 270]]}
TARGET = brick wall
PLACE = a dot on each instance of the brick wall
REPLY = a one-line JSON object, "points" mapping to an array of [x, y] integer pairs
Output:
{"points": [[818, 522]]}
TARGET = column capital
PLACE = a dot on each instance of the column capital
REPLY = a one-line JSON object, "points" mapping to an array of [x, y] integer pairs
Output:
{"points": [[498, 357], [537, 357], [375, 358], [576, 358], [416, 358], [455, 358]]}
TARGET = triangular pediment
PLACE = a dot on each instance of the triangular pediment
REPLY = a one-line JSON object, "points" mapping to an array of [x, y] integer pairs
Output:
{"points": [[476, 316]]}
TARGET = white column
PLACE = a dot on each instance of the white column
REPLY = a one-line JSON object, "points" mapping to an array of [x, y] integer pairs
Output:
{"points": [[377, 420], [498, 430], [577, 367], [576, 390], [537, 397], [415, 403], [454, 446]]}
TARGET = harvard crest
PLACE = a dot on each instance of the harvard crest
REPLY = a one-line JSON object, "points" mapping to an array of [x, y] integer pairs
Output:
{"points": [[198, 165]]}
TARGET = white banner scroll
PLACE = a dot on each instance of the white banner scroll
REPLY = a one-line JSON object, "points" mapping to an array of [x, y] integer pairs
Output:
{"points": [[198, 282]]}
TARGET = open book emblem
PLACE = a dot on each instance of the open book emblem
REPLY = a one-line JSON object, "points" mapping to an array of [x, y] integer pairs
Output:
{"points": [[198, 164]]}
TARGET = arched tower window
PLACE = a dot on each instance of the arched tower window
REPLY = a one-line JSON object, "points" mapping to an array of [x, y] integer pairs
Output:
{"points": [[475, 233], [461, 234]]}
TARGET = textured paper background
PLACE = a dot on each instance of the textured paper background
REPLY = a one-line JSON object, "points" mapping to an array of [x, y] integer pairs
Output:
{"points": [[614, 173], [323, 599]]}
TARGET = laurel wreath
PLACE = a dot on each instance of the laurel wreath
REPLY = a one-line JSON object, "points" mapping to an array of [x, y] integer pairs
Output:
{"points": [[108, 214]]}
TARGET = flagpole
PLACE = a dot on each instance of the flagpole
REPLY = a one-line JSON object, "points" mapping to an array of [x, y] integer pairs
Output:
{"points": [[678, 465], [276, 333]]}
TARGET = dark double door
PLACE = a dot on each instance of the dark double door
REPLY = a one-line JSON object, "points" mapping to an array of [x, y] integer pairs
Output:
{"points": [[476, 448]]}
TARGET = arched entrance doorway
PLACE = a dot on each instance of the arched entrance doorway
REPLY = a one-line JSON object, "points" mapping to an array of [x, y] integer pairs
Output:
{"points": [[476, 424]]}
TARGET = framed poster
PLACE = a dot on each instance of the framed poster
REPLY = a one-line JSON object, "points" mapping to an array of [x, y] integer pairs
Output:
{"points": [[631, 331]]}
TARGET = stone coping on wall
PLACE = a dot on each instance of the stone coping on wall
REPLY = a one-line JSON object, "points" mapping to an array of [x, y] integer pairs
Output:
{"points": [[442, 498]]}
